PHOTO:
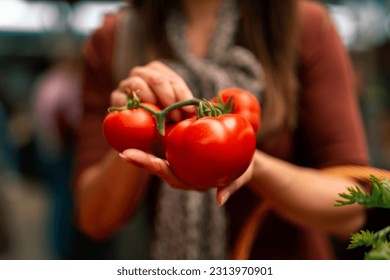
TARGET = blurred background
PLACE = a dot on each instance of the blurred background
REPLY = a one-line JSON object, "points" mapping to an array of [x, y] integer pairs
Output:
{"points": [[40, 44]]}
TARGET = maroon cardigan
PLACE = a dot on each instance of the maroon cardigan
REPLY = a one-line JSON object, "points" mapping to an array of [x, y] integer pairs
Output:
{"points": [[329, 128]]}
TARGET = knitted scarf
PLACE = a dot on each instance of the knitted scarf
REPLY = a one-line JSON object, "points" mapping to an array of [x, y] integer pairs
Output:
{"points": [[190, 224]]}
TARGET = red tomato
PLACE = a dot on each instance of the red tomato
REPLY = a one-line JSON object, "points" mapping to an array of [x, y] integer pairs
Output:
{"points": [[244, 104], [131, 128], [159, 148], [211, 151]]}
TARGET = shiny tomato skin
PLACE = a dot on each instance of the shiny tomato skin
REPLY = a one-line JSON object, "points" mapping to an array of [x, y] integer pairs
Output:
{"points": [[210, 151], [245, 104], [130, 128]]}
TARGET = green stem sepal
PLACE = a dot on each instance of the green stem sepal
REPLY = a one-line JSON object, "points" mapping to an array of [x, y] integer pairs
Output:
{"points": [[204, 108], [225, 108], [161, 115]]}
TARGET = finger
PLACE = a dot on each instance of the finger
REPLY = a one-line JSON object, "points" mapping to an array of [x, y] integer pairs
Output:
{"points": [[138, 158], [175, 115], [182, 92], [158, 83], [163, 170], [155, 165], [180, 87], [140, 87], [223, 194], [161, 67], [118, 98]]}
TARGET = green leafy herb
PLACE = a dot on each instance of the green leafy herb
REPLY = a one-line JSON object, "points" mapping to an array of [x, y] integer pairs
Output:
{"points": [[362, 238], [378, 198], [379, 242]]}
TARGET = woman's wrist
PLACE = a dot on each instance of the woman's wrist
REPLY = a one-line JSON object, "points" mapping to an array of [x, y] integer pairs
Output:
{"points": [[259, 167]]}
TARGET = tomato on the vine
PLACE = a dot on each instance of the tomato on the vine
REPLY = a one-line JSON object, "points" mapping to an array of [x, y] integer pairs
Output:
{"points": [[131, 128], [242, 103], [211, 151]]}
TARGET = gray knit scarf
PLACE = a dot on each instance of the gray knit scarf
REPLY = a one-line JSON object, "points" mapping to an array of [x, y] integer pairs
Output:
{"points": [[190, 224]]}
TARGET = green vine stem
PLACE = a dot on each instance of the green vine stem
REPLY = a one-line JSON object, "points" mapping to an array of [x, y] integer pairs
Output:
{"points": [[132, 102], [204, 108], [161, 115]]}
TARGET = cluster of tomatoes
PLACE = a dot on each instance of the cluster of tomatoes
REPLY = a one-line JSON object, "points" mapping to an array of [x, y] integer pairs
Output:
{"points": [[204, 151]]}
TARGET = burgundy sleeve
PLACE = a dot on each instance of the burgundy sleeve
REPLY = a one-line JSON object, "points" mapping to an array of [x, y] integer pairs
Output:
{"points": [[330, 118], [97, 86]]}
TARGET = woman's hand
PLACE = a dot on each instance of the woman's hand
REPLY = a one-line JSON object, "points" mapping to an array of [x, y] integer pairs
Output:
{"points": [[154, 83], [158, 84], [161, 168]]}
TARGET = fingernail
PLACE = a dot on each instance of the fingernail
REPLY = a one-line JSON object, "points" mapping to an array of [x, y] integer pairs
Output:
{"points": [[128, 153], [125, 156], [224, 198], [130, 160]]}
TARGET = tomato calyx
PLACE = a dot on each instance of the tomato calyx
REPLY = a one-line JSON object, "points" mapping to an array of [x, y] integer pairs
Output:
{"points": [[133, 102], [241, 102], [204, 108], [225, 107], [208, 109]]}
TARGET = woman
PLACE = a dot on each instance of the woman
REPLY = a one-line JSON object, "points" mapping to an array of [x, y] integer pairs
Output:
{"points": [[289, 55]]}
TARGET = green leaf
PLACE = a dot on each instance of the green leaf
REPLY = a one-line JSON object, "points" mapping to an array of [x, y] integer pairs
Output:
{"points": [[379, 242], [381, 252], [362, 238], [379, 196]]}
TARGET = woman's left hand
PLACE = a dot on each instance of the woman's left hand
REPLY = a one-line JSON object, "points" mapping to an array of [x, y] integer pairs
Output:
{"points": [[161, 168]]}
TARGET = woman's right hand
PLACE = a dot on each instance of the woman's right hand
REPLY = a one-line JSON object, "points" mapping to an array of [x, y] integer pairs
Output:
{"points": [[154, 83], [161, 168]]}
